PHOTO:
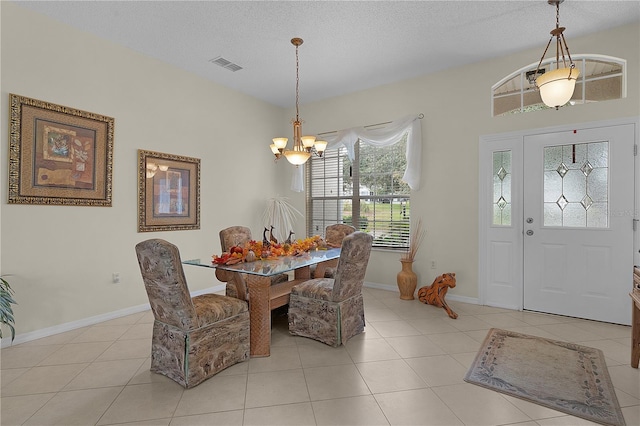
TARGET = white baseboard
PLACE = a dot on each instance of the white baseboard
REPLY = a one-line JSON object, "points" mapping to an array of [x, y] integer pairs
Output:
{"points": [[394, 288], [463, 299], [61, 328], [379, 286]]}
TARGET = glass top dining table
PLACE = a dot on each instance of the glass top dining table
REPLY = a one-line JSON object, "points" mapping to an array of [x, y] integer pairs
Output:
{"points": [[273, 266], [253, 282]]}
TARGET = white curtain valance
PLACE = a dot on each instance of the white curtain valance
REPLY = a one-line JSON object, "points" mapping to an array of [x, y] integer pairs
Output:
{"points": [[389, 135]]}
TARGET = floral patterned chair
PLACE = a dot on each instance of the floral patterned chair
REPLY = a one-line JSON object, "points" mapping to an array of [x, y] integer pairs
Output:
{"points": [[238, 236], [193, 338], [332, 310], [333, 235]]}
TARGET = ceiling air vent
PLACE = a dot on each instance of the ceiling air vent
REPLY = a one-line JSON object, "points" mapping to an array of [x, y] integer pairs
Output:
{"points": [[222, 62]]}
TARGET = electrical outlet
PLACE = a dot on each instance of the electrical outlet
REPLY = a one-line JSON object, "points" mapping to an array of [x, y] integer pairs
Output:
{"points": [[433, 264], [116, 277]]}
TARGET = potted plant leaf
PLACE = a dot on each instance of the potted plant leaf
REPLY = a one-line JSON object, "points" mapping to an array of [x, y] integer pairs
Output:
{"points": [[6, 312]]}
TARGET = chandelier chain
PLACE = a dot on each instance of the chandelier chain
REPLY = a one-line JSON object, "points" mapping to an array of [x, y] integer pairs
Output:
{"points": [[297, 83]]}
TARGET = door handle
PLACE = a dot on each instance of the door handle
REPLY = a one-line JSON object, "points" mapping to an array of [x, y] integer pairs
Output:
{"points": [[529, 232]]}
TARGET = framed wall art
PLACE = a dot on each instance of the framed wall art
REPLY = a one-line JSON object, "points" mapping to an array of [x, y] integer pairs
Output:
{"points": [[59, 155], [168, 192]]}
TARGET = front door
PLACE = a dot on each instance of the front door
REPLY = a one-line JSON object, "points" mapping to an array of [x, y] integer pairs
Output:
{"points": [[578, 203]]}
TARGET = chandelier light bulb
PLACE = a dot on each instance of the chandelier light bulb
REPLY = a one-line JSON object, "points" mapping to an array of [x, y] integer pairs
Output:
{"points": [[297, 157], [308, 141], [280, 143], [320, 147]]}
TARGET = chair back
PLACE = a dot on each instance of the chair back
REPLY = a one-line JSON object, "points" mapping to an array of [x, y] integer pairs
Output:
{"points": [[165, 283], [334, 234], [234, 236], [352, 266]]}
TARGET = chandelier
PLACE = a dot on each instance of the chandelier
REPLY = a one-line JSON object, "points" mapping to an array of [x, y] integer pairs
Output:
{"points": [[556, 87], [303, 146]]}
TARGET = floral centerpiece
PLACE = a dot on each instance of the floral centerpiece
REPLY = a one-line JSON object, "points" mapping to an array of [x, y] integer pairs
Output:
{"points": [[253, 250]]}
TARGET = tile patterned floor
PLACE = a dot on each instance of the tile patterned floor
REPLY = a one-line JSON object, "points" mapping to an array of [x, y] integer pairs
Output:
{"points": [[406, 369]]}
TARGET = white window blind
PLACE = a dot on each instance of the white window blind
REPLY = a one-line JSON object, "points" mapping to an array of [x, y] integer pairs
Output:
{"points": [[367, 192]]}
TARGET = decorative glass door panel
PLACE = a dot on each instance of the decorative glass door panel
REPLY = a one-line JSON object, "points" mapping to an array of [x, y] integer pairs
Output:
{"points": [[576, 185], [502, 188]]}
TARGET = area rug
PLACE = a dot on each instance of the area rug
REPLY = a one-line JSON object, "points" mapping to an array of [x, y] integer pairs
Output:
{"points": [[563, 376]]}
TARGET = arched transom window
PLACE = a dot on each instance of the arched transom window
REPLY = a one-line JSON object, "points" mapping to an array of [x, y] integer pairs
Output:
{"points": [[601, 78]]}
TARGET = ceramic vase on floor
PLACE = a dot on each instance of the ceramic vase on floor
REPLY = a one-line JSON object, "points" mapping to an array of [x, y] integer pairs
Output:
{"points": [[407, 280]]}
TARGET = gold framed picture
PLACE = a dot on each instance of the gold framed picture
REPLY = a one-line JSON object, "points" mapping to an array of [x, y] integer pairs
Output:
{"points": [[168, 192], [59, 155]]}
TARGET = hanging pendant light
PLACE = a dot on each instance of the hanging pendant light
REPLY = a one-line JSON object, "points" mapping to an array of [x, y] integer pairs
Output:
{"points": [[557, 86], [303, 146]]}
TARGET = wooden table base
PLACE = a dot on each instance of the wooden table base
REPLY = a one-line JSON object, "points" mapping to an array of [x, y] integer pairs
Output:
{"points": [[263, 297]]}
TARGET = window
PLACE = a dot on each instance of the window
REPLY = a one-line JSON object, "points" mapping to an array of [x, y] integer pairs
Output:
{"points": [[502, 188], [367, 193], [601, 78]]}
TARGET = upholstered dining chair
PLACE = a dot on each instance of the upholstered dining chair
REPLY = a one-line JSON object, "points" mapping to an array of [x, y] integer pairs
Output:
{"points": [[331, 310], [238, 236], [333, 235], [193, 338]]}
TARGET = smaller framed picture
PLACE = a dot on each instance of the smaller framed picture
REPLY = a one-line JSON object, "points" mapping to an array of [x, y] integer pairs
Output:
{"points": [[168, 192]]}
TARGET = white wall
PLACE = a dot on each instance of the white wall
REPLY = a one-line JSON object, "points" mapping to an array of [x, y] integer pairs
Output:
{"points": [[61, 258], [457, 109]]}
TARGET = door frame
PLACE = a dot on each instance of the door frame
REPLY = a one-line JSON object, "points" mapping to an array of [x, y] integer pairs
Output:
{"points": [[514, 141]]}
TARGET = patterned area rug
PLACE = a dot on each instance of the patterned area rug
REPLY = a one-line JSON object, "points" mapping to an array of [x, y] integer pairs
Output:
{"points": [[563, 376]]}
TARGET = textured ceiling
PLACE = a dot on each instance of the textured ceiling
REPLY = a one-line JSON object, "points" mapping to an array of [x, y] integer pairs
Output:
{"points": [[348, 45]]}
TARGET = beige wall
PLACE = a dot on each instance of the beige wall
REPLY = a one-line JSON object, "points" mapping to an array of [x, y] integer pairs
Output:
{"points": [[61, 258], [457, 108]]}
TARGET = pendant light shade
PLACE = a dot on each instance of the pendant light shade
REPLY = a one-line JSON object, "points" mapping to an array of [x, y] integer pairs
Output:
{"points": [[557, 86]]}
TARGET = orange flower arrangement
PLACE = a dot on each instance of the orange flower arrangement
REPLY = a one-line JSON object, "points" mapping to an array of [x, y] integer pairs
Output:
{"points": [[276, 250]]}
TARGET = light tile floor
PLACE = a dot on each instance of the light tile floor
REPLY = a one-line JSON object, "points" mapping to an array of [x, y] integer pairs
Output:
{"points": [[406, 369]]}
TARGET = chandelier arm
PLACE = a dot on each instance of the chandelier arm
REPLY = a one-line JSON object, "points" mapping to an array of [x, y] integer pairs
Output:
{"points": [[542, 58], [566, 47]]}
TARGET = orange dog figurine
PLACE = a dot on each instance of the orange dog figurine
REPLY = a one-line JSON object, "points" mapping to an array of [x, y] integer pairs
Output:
{"points": [[434, 294]]}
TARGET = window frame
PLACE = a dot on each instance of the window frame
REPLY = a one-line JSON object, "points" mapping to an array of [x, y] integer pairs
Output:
{"points": [[355, 197], [550, 62]]}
